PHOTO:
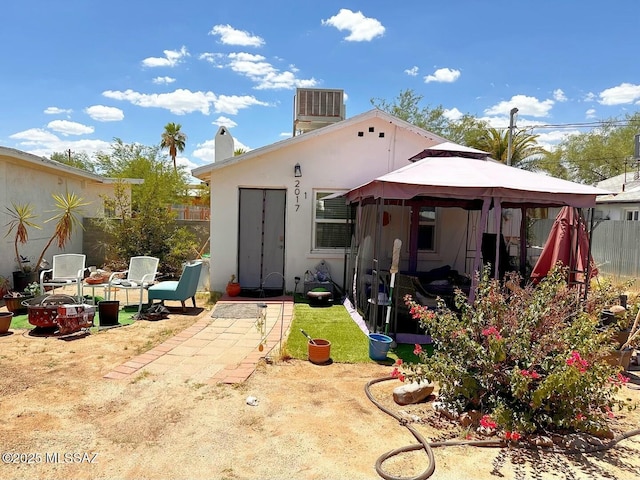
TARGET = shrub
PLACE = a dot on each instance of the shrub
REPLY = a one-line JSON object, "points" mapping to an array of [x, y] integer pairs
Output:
{"points": [[530, 359]]}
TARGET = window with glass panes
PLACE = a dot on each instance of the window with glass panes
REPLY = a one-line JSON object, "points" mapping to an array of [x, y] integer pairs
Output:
{"points": [[632, 215], [330, 221], [427, 229]]}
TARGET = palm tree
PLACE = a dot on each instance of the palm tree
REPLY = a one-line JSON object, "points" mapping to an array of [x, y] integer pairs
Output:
{"points": [[524, 147], [174, 140]]}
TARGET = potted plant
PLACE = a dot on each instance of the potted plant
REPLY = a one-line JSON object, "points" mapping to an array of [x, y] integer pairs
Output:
{"points": [[5, 322], [233, 288], [22, 217]]}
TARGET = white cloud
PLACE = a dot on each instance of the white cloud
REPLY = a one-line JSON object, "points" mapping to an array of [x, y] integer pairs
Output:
{"points": [[230, 36], [591, 113], [623, 93], [183, 101], [360, 28], [285, 134], [34, 136], [171, 58], [42, 143], [530, 106], [550, 140], [65, 127], [206, 151], [590, 97], [231, 104], [216, 59], [444, 75], [264, 74], [57, 111], [413, 71], [163, 80], [452, 114], [222, 121], [559, 96], [102, 113]]}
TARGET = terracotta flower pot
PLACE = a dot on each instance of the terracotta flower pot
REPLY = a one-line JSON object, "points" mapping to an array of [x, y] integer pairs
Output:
{"points": [[320, 352], [14, 304], [233, 289], [5, 322]]}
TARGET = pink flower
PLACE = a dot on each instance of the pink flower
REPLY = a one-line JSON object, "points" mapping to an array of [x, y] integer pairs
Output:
{"points": [[576, 360], [580, 417], [397, 374], [486, 422], [399, 361], [513, 436], [531, 374], [417, 350], [492, 332]]}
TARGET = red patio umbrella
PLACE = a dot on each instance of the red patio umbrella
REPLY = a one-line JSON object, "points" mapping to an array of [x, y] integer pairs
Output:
{"points": [[568, 243]]}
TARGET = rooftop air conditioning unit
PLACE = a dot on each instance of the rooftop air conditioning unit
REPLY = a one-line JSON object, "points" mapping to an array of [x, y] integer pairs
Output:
{"points": [[315, 108]]}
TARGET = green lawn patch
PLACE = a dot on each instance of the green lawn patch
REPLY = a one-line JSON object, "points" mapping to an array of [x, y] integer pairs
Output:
{"points": [[349, 344], [22, 321]]}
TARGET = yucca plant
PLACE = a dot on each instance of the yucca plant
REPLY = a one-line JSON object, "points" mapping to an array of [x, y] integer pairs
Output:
{"points": [[22, 218], [67, 206]]}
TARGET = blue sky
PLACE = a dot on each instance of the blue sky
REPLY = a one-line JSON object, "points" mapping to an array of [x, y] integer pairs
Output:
{"points": [[75, 74]]}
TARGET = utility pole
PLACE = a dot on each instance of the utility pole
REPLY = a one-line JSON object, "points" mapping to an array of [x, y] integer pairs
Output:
{"points": [[512, 122], [69, 153]]}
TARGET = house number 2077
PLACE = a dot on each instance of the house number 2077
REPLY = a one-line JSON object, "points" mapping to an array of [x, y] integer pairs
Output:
{"points": [[296, 192]]}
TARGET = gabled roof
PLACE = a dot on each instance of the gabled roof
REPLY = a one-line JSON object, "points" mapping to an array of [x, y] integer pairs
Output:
{"points": [[626, 188], [201, 172], [47, 163]]}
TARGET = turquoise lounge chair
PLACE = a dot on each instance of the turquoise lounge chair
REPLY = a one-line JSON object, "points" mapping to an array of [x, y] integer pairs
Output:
{"points": [[179, 290]]}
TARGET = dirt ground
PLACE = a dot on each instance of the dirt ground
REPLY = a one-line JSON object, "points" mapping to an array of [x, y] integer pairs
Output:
{"points": [[311, 422]]}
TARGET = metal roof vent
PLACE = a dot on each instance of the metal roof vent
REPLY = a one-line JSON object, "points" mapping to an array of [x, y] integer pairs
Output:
{"points": [[315, 108]]}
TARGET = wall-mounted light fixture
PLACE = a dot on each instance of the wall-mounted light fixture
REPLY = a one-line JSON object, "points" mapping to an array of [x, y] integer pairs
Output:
{"points": [[297, 170]]}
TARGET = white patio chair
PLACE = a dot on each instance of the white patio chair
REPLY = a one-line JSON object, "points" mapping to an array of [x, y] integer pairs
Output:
{"points": [[140, 275], [67, 269]]}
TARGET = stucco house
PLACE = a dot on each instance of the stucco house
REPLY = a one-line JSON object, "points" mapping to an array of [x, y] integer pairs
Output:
{"points": [[624, 202], [270, 215], [27, 178]]}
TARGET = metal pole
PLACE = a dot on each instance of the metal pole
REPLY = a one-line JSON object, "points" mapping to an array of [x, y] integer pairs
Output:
{"points": [[512, 114]]}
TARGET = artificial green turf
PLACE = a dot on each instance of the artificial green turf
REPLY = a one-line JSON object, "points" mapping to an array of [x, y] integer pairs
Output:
{"points": [[349, 344], [22, 321]]}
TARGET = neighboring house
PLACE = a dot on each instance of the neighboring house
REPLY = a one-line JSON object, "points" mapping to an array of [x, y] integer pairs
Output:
{"points": [[27, 178], [270, 215], [624, 203]]}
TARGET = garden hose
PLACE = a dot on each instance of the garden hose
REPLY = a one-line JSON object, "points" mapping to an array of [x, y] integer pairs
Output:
{"points": [[429, 446]]}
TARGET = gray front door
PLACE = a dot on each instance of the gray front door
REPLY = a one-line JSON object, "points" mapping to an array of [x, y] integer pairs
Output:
{"points": [[261, 238]]}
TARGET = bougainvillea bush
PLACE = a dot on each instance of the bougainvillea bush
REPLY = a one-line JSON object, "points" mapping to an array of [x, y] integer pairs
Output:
{"points": [[528, 359]]}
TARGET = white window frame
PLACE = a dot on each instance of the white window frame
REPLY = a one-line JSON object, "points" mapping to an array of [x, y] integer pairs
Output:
{"points": [[314, 247], [634, 213]]}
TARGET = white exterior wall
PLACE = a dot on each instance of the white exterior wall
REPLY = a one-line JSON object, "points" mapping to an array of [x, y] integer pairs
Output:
{"points": [[337, 160], [616, 211], [23, 183]]}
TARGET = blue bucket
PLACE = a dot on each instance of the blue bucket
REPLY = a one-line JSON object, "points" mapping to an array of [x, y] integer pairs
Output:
{"points": [[379, 345]]}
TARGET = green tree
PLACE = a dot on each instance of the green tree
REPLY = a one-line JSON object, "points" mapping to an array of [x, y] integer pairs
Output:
{"points": [[406, 106], [144, 224], [174, 140], [75, 159], [595, 155], [525, 152]]}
